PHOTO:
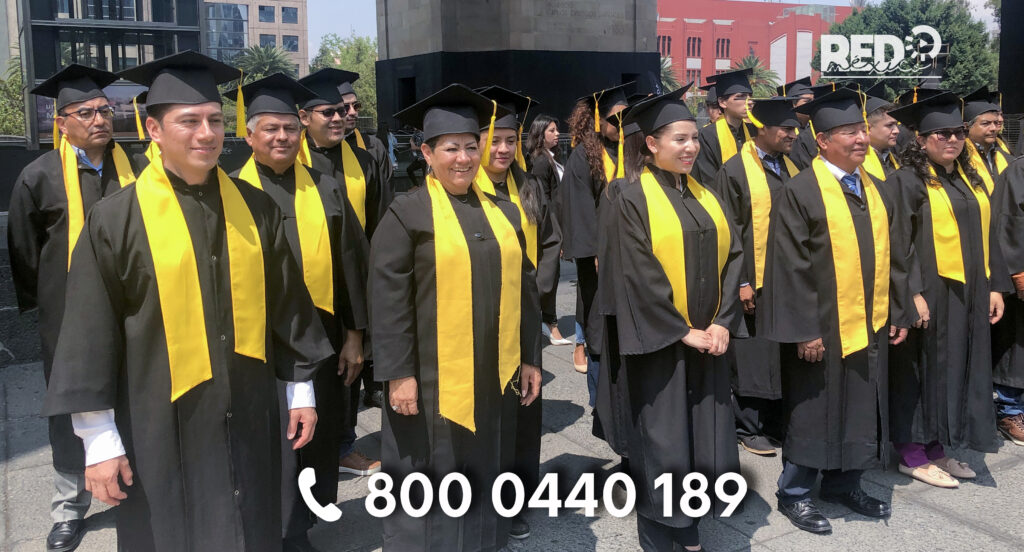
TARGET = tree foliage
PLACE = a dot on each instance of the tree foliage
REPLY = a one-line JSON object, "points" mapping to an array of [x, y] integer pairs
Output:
{"points": [[352, 53], [973, 58], [669, 80], [12, 102], [257, 62], [763, 81]]}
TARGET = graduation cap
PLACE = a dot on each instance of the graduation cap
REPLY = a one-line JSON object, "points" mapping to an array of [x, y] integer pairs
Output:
{"points": [[634, 98], [455, 109], [346, 87], [516, 104], [712, 97], [930, 114], [277, 93], [980, 101], [924, 90], [140, 99], [184, 78], [327, 85], [820, 90], [732, 82], [835, 109], [75, 83], [604, 100], [777, 111], [658, 111], [798, 87], [874, 98]]}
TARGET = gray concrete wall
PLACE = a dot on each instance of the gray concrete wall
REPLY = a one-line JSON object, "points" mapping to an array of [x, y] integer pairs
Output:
{"points": [[413, 27]]}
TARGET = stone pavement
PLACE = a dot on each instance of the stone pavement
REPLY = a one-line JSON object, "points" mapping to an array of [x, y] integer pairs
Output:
{"points": [[981, 515]]}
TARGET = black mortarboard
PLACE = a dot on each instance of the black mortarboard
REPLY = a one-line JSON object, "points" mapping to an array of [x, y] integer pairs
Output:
{"points": [[798, 87], [978, 102], [516, 104], [777, 111], [712, 97], [842, 107], [931, 114], [455, 109], [634, 98], [183, 78], [658, 111], [141, 97], [346, 87], [607, 98], [824, 88], [326, 84], [75, 83], [923, 91], [277, 93], [732, 82], [875, 98]]}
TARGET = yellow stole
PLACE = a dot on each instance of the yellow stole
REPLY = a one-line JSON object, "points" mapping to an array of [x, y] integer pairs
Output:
{"points": [[73, 187], [946, 234], [873, 164], [453, 276], [314, 240], [355, 180], [529, 228], [613, 169], [979, 165], [359, 139], [153, 152], [177, 277], [853, 333], [726, 141], [760, 204], [667, 236], [1004, 147]]}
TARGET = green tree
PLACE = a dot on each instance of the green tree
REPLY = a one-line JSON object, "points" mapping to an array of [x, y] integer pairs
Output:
{"points": [[973, 59], [257, 62], [12, 102], [669, 80], [858, 4], [763, 80], [997, 8], [352, 53]]}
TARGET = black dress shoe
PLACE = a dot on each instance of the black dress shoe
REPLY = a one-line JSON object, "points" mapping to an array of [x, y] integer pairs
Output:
{"points": [[65, 535], [519, 529], [373, 399], [805, 515], [860, 502]]}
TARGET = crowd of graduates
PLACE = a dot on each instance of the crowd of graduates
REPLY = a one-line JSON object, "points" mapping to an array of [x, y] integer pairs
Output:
{"points": [[826, 271]]}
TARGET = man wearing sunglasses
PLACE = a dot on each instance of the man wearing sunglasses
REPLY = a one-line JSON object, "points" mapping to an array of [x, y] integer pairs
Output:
{"points": [[324, 148], [368, 142], [48, 206]]}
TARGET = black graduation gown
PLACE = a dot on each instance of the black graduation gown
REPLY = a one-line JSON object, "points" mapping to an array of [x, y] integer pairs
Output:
{"points": [[836, 410], [381, 161], [549, 267], [207, 472], [37, 241], [805, 148], [530, 424], [755, 360], [709, 159], [350, 253], [1008, 227], [403, 317], [329, 162], [940, 384], [679, 398], [903, 139]]}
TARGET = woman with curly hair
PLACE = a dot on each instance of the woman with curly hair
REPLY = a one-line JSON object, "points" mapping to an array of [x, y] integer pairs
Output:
{"points": [[940, 379], [593, 163]]}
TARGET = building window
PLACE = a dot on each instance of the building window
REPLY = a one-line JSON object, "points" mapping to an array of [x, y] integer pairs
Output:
{"points": [[266, 14], [290, 42], [668, 47], [227, 27], [289, 15], [722, 48], [693, 75], [268, 40]]}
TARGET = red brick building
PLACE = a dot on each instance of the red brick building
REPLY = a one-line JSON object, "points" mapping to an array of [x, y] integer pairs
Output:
{"points": [[706, 37]]}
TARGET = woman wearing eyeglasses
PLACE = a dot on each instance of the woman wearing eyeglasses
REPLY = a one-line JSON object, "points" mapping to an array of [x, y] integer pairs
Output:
{"points": [[940, 379]]}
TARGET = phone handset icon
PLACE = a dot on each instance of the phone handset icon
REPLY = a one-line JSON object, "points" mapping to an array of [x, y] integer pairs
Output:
{"points": [[329, 513]]}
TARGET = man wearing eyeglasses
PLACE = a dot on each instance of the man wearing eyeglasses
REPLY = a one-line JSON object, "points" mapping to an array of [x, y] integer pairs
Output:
{"points": [[370, 143], [324, 148], [47, 211]]}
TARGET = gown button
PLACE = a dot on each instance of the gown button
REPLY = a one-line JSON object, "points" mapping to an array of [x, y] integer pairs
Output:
{"points": [[478, 236], [223, 337], [228, 415], [236, 492], [200, 194], [213, 258]]}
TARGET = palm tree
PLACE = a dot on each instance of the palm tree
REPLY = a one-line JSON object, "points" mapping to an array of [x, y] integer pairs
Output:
{"points": [[257, 62], [763, 80], [669, 80]]}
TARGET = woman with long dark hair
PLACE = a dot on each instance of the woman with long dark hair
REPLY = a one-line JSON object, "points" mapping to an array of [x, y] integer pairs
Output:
{"points": [[940, 379], [672, 256], [542, 160], [455, 324]]}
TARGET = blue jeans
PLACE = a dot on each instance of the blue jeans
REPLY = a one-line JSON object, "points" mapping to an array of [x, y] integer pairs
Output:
{"points": [[592, 367], [1009, 401]]}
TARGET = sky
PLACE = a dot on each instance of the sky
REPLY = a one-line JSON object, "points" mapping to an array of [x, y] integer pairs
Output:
{"points": [[345, 16]]}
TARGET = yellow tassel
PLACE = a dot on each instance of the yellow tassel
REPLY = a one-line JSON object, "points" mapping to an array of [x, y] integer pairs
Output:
{"points": [[485, 159], [750, 114], [810, 125], [620, 161], [915, 95], [1000, 101], [56, 131], [138, 119], [597, 114], [240, 130], [520, 158], [783, 89]]}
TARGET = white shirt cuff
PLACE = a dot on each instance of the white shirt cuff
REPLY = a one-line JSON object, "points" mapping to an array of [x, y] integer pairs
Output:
{"points": [[99, 434], [300, 395]]}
